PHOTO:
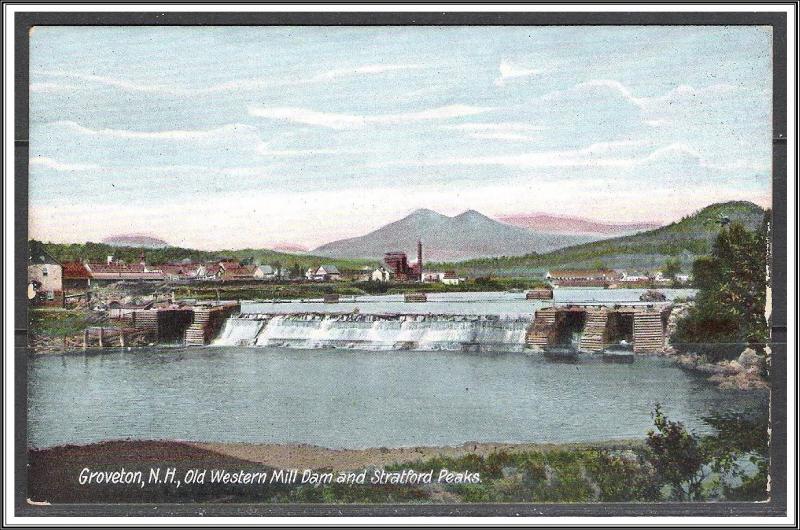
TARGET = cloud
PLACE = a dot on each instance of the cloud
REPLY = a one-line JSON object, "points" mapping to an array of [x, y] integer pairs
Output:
{"points": [[50, 163], [50, 88], [228, 86], [507, 131], [680, 92], [226, 131], [350, 121], [618, 154], [508, 71]]}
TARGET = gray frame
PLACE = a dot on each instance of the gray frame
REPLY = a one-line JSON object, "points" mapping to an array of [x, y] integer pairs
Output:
{"points": [[775, 507]]}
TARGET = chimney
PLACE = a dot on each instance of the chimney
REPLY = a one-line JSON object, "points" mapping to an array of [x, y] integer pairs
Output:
{"points": [[419, 258]]}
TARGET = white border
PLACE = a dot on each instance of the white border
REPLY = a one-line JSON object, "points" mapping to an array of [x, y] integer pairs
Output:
{"points": [[8, 303]]}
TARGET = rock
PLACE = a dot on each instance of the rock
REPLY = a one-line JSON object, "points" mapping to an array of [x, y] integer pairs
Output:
{"points": [[750, 359]]}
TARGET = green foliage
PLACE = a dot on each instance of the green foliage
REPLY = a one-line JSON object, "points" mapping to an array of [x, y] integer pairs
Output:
{"points": [[677, 457], [740, 438], [60, 322], [672, 267], [98, 252], [691, 236], [732, 285]]}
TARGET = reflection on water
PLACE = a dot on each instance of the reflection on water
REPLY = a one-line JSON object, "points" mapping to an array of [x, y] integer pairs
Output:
{"points": [[346, 398]]}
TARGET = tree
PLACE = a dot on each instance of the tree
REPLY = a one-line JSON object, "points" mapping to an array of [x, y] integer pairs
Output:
{"points": [[297, 272], [672, 267], [732, 289], [677, 456], [276, 265]]}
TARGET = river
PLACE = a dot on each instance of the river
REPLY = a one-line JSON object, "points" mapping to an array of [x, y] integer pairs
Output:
{"points": [[353, 398], [363, 396]]}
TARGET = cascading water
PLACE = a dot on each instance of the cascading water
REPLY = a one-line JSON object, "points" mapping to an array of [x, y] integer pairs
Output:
{"points": [[239, 332], [377, 332]]}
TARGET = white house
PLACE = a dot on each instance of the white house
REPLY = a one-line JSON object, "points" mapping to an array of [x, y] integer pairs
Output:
{"points": [[432, 276], [633, 277], [264, 272], [380, 275], [451, 278], [326, 273]]}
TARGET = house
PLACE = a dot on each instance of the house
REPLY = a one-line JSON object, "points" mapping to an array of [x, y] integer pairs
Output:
{"points": [[114, 271], [432, 276], [583, 277], [75, 276], [633, 277], [233, 271], [45, 285], [381, 275], [265, 273], [363, 274], [208, 272], [451, 278], [683, 278], [326, 273], [179, 272]]}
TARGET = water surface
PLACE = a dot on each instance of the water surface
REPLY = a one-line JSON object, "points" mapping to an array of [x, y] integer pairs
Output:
{"points": [[353, 399]]}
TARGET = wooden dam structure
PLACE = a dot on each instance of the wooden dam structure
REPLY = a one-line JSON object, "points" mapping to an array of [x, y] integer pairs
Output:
{"points": [[598, 327], [189, 325]]}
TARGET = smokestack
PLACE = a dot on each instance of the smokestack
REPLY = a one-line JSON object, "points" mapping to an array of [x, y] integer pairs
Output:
{"points": [[419, 258]]}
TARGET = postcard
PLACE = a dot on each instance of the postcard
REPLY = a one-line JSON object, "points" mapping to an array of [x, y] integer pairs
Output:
{"points": [[429, 267]]}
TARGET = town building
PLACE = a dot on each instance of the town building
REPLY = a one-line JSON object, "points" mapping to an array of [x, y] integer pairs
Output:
{"points": [[362, 274], [114, 271], [75, 276], [381, 274], [451, 278], [432, 276], [326, 273], [265, 273], [583, 277], [45, 285], [234, 271]]}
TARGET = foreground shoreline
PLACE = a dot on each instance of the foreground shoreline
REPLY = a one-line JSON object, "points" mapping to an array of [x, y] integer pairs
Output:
{"points": [[306, 456]]}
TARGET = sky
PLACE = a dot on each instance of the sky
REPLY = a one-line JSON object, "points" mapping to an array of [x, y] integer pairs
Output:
{"points": [[232, 137]]}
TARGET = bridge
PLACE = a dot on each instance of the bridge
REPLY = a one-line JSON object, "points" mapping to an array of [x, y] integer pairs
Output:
{"points": [[641, 325]]}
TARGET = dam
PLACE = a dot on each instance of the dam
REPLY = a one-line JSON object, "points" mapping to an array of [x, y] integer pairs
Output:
{"points": [[377, 332], [593, 328], [588, 329]]}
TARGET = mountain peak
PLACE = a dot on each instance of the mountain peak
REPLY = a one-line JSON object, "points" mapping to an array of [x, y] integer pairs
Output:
{"points": [[425, 212], [467, 235], [135, 240], [471, 215]]}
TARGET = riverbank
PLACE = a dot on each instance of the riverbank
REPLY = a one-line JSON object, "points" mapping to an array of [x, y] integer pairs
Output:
{"points": [[743, 373], [315, 457]]}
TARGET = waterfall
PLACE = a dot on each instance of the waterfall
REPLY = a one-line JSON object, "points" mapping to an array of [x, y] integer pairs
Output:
{"points": [[239, 332], [376, 332]]}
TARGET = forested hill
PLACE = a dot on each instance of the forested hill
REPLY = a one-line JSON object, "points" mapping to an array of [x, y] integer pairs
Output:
{"points": [[98, 252], [685, 239]]}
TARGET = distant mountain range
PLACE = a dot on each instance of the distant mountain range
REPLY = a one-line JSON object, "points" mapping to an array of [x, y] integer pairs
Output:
{"points": [[291, 248], [564, 224], [135, 240], [467, 235]]}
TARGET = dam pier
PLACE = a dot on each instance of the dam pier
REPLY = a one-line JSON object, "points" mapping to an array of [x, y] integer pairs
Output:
{"points": [[594, 327]]}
